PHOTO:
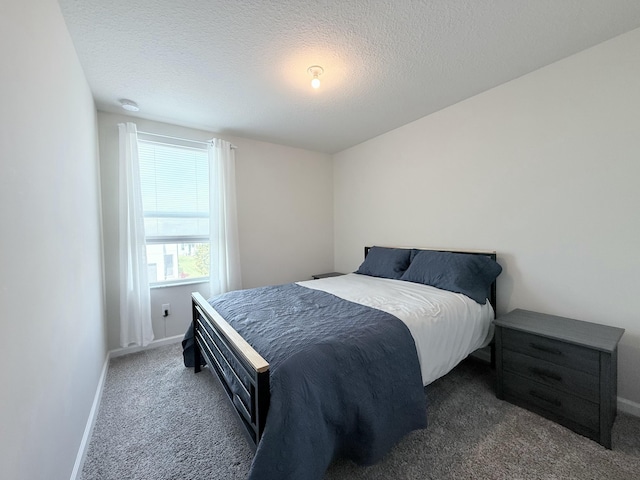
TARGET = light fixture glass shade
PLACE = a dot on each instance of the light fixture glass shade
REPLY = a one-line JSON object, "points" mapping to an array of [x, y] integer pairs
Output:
{"points": [[315, 71]]}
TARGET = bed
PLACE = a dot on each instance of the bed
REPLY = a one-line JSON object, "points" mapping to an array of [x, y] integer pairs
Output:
{"points": [[336, 366]]}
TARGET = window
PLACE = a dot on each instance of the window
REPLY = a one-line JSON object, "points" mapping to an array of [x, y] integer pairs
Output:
{"points": [[175, 199]]}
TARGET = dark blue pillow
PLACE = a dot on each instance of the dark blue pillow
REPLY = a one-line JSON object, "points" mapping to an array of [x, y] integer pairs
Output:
{"points": [[471, 275], [385, 262]]}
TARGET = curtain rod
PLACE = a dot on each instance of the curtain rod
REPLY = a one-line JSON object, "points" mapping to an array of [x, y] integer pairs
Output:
{"points": [[179, 138]]}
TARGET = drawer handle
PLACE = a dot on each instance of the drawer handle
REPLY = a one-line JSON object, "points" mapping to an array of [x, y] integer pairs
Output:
{"points": [[546, 374], [552, 401], [542, 348]]}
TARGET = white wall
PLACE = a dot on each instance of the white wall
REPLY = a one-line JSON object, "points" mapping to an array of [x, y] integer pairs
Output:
{"points": [[285, 216], [544, 169], [52, 330]]}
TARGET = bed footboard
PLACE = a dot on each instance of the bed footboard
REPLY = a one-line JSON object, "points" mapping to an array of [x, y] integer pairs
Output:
{"points": [[243, 373]]}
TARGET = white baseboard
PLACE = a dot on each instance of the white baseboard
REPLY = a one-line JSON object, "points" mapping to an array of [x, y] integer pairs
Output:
{"points": [[84, 444], [627, 406], [88, 429], [118, 352]]}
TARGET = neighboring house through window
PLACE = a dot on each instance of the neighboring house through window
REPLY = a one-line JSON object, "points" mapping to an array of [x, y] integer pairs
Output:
{"points": [[174, 180]]}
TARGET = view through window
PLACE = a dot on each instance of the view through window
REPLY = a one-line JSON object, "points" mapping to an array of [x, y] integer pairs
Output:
{"points": [[175, 199]]}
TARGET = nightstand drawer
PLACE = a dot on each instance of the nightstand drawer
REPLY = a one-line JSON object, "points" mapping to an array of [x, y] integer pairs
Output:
{"points": [[554, 351], [563, 378], [536, 396]]}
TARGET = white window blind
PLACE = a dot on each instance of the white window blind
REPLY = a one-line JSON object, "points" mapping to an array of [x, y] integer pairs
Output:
{"points": [[175, 197], [175, 191]]}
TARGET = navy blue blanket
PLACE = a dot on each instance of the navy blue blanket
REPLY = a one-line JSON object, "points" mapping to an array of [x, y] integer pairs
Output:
{"points": [[345, 379]]}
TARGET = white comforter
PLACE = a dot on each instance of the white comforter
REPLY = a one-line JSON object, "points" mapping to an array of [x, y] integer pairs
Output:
{"points": [[446, 326]]}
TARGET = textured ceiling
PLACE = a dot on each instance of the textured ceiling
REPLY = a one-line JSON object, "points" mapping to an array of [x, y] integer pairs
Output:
{"points": [[240, 67]]}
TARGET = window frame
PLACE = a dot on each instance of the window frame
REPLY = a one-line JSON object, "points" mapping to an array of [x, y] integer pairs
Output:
{"points": [[174, 239]]}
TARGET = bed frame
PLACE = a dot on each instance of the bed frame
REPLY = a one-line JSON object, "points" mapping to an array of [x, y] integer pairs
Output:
{"points": [[231, 358], [233, 361]]}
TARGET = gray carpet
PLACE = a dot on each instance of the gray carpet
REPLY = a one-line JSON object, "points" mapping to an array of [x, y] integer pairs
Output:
{"points": [[158, 420]]}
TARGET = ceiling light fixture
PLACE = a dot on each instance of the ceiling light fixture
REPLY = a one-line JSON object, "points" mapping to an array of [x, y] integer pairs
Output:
{"points": [[129, 105], [315, 71]]}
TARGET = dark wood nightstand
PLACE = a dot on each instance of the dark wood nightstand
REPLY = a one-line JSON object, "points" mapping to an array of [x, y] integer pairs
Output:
{"points": [[560, 368], [326, 275]]}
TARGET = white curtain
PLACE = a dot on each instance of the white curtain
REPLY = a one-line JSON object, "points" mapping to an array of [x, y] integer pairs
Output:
{"points": [[135, 302], [224, 250]]}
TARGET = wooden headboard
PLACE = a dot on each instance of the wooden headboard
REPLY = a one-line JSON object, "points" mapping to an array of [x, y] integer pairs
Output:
{"points": [[488, 253]]}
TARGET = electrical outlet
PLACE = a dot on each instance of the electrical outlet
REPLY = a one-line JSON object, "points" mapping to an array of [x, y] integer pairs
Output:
{"points": [[166, 309]]}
